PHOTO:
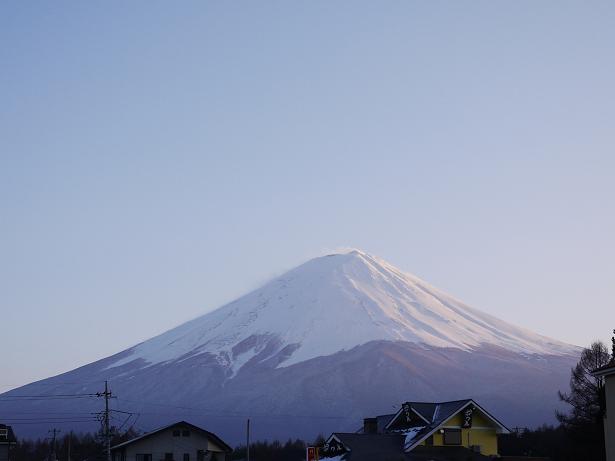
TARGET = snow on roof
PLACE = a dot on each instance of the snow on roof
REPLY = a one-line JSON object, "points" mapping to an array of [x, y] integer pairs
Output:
{"points": [[410, 435]]}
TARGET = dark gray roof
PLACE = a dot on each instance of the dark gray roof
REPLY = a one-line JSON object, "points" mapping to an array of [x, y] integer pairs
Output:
{"points": [[389, 447], [445, 410], [383, 420], [184, 424], [369, 447], [424, 409], [434, 412]]}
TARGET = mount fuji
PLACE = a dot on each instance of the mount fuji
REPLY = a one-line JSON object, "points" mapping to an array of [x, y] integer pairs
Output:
{"points": [[315, 350]]}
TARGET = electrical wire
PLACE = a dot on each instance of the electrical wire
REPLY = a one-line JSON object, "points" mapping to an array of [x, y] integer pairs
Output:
{"points": [[95, 394], [229, 414]]}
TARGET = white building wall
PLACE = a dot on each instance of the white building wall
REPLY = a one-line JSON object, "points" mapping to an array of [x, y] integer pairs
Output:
{"points": [[164, 442], [609, 417]]}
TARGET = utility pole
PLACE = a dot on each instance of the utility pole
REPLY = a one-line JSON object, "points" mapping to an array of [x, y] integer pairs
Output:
{"points": [[70, 436], [52, 449], [107, 430], [248, 440], [107, 394]]}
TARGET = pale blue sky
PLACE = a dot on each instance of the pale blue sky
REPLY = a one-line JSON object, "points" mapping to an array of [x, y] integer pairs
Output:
{"points": [[160, 158]]}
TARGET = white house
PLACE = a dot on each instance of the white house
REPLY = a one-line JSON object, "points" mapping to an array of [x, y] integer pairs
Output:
{"points": [[180, 441]]}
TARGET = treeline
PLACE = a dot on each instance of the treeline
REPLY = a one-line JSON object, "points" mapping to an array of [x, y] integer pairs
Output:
{"points": [[555, 442], [80, 446], [273, 451], [77, 447], [90, 447]]}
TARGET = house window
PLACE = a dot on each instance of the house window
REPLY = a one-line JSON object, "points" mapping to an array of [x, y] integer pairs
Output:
{"points": [[185, 433], [452, 436], [200, 455], [144, 457], [429, 441], [168, 457], [186, 456], [176, 433]]}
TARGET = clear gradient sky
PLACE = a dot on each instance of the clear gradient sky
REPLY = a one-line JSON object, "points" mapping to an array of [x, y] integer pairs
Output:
{"points": [[158, 159]]}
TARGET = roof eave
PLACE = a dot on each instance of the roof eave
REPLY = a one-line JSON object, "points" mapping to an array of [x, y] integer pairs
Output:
{"points": [[217, 439], [604, 371], [402, 409]]}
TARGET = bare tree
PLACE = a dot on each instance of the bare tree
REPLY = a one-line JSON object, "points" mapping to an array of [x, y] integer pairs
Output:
{"points": [[584, 422], [585, 389]]}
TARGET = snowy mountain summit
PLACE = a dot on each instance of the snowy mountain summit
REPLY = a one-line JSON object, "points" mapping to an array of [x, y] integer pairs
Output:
{"points": [[331, 304]]}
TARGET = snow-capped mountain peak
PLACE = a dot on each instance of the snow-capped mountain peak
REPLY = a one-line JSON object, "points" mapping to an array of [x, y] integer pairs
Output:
{"points": [[330, 304]]}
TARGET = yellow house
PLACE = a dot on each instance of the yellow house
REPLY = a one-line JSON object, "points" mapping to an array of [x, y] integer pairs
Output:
{"points": [[426, 428]]}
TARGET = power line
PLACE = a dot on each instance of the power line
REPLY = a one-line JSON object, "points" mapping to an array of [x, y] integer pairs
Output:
{"points": [[52, 413], [14, 422], [105, 416], [23, 398], [130, 415], [58, 418], [94, 394], [229, 414]]}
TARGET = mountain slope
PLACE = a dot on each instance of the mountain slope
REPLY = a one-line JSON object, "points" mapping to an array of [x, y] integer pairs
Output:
{"points": [[334, 303], [317, 349]]}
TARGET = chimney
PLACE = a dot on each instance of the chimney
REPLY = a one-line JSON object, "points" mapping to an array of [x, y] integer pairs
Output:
{"points": [[370, 426]]}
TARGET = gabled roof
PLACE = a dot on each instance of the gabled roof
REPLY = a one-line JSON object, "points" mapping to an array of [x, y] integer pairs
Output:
{"points": [[382, 421], [443, 412], [10, 435], [432, 412], [182, 424], [425, 409]]}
